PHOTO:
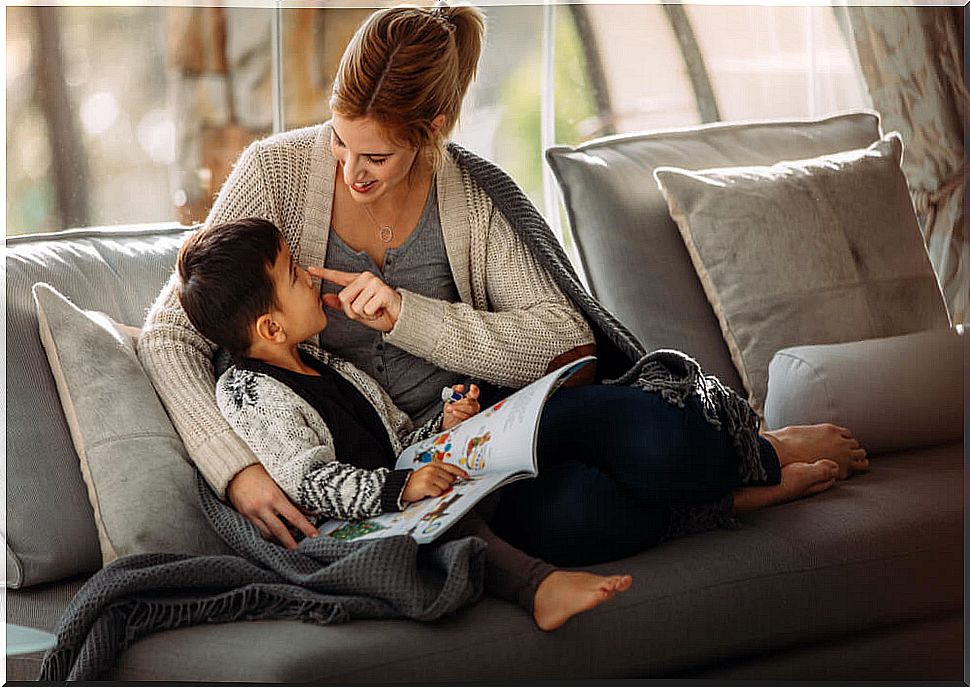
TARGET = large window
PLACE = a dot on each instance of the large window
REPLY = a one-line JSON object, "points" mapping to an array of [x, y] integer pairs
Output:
{"points": [[136, 114]]}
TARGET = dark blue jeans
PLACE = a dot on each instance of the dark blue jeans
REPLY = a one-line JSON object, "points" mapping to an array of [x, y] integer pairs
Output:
{"points": [[612, 462]]}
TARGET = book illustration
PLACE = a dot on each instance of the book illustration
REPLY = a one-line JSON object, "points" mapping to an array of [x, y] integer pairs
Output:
{"points": [[432, 519], [356, 529], [495, 447], [440, 450], [488, 412], [520, 414], [475, 452]]}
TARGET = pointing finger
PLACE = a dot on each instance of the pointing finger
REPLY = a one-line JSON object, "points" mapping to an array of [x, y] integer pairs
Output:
{"points": [[335, 276]]}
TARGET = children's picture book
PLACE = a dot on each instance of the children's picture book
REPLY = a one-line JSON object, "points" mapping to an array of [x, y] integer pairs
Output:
{"points": [[495, 447]]}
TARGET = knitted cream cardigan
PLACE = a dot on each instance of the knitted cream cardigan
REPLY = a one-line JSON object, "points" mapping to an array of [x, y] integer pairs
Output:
{"points": [[511, 322]]}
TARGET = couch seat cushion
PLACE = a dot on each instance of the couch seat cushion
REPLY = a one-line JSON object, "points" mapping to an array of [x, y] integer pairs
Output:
{"points": [[881, 548]]}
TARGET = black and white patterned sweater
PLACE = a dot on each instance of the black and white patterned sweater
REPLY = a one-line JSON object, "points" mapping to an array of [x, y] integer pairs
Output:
{"points": [[294, 444]]}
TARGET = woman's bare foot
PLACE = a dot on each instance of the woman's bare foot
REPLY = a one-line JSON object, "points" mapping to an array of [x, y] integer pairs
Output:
{"points": [[564, 594], [797, 480], [809, 443]]}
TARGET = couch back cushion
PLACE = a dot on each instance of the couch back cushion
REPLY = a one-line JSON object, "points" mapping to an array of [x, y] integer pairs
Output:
{"points": [[50, 524], [631, 250]]}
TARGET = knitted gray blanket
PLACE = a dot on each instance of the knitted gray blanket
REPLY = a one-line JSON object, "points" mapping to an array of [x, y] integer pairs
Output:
{"points": [[323, 581]]}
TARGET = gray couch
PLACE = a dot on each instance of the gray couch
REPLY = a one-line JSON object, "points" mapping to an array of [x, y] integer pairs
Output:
{"points": [[862, 582]]}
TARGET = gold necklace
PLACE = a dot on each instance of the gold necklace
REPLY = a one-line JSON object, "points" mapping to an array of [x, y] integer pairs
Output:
{"points": [[385, 232]]}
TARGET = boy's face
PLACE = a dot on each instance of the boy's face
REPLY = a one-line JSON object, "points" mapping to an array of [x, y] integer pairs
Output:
{"points": [[299, 308]]}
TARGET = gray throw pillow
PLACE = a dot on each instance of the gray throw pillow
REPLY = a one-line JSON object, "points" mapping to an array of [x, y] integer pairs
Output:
{"points": [[136, 470], [630, 248], [816, 251], [895, 393]]}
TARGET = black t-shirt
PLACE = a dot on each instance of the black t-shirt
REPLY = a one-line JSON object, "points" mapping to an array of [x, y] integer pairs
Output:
{"points": [[359, 437]]}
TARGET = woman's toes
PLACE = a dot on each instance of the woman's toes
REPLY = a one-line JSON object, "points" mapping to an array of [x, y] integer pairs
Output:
{"points": [[826, 467], [826, 472]]}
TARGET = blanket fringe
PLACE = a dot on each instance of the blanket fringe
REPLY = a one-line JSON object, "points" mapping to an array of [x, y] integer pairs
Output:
{"points": [[124, 623]]}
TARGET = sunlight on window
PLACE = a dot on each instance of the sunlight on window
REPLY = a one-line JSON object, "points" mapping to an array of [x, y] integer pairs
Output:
{"points": [[18, 58], [32, 151], [156, 136], [99, 112], [152, 105]]}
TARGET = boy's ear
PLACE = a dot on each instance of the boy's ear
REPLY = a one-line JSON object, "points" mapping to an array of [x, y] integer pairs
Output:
{"points": [[437, 122], [269, 330]]}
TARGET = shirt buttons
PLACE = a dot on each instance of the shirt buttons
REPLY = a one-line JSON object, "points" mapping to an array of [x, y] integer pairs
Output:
{"points": [[380, 347], [380, 368]]}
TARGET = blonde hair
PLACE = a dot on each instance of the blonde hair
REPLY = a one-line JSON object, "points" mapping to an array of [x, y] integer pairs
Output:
{"points": [[405, 66]]}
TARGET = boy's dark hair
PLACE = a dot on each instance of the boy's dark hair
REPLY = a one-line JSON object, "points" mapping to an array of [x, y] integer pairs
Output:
{"points": [[224, 279]]}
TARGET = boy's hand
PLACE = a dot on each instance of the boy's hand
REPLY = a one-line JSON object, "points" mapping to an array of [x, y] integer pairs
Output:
{"points": [[461, 410], [434, 479]]}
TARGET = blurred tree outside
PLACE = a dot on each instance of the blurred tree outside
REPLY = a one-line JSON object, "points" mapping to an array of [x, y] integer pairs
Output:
{"points": [[89, 133], [575, 108]]}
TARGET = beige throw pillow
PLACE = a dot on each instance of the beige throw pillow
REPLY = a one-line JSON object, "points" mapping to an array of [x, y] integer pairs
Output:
{"points": [[139, 481], [816, 251]]}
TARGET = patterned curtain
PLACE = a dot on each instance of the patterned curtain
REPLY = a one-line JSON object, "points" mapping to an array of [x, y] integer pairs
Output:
{"points": [[912, 61]]}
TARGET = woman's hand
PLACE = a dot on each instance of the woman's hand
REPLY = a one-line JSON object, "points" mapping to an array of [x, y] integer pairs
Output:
{"points": [[364, 298], [460, 410], [261, 501], [434, 479]]}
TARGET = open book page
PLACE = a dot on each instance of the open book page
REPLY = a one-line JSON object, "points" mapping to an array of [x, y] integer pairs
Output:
{"points": [[494, 447]]}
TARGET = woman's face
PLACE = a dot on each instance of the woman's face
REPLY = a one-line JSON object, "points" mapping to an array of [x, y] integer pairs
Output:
{"points": [[369, 164]]}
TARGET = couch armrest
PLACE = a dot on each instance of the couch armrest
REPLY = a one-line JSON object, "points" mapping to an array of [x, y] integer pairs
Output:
{"points": [[894, 393]]}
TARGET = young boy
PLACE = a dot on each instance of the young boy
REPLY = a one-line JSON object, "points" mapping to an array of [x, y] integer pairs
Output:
{"points": [[325, 431]]}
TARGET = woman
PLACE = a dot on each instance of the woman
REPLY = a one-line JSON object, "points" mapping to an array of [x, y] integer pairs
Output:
{"points": [[435, 286]]}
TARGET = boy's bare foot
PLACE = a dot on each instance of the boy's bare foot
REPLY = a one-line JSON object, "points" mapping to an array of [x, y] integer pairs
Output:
{"points": [[797, 480], [564, 594], [809, 443]]}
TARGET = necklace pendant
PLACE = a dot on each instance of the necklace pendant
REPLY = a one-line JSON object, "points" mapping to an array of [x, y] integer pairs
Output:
{"points": [[386, 234]]}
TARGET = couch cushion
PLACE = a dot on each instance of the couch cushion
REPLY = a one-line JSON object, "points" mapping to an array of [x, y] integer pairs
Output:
{"points": [[894, 393], [51, 534], [876, 550], [140, 482], [815, 251], [630, 248]]}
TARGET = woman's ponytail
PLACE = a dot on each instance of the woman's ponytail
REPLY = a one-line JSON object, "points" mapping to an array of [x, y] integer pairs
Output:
{"points": [[469, 23], [405, 66]]}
